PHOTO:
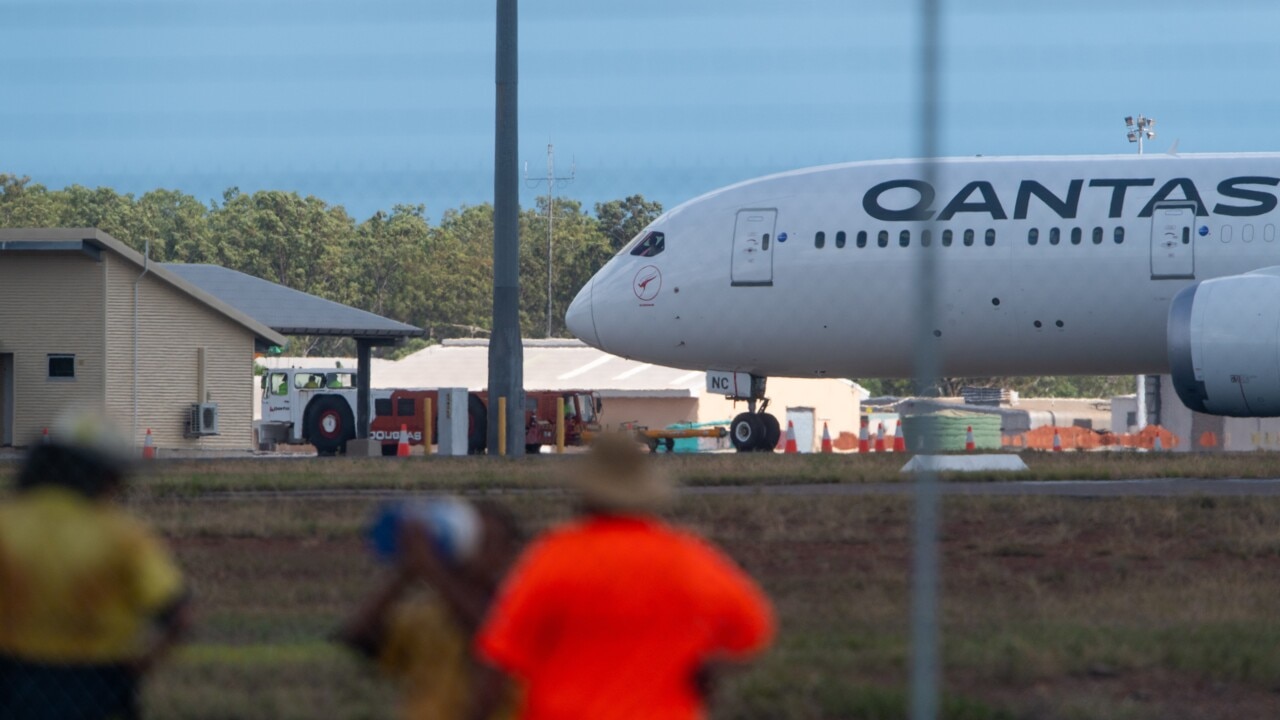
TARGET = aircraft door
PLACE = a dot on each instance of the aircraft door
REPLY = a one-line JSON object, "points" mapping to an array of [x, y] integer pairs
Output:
{"points": [[1173, 244], [753, 243]]}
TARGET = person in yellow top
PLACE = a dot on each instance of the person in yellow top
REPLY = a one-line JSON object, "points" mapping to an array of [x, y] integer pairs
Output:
{"points": [[419, 626], [89, 598]]}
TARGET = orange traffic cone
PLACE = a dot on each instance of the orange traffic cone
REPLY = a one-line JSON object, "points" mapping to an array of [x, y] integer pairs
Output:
{"points": [[790, 446], [880, 438], [826, 439], [899, 440], [1057, 441], [864, 441], [969, 446], [148, 450], [44, 438], [402, 448]]}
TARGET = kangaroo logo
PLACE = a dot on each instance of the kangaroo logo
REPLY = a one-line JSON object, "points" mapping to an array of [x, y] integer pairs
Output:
{"points": [[647, 283]]}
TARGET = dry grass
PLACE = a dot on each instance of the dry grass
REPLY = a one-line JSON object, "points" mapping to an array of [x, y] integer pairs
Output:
{"points": [[1053, 608]]}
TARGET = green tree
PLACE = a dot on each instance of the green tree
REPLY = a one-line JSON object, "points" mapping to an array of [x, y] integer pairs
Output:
{"points": [[27, 204], [621, 220]]}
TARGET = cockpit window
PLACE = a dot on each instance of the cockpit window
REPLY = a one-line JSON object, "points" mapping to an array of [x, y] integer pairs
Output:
{"points": [[652, 244]]}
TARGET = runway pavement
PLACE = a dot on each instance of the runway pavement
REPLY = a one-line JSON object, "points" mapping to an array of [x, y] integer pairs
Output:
{"points": [[1144, 487]]}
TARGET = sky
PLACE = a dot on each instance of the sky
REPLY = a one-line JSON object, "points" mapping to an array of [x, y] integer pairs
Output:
{"points": [[380, 102]]}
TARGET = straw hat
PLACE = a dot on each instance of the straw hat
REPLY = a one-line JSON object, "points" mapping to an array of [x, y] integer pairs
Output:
{"points": [[617, 474]]}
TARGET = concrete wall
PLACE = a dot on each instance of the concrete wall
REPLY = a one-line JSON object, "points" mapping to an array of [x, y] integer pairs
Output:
{"points": [[52, 302]]}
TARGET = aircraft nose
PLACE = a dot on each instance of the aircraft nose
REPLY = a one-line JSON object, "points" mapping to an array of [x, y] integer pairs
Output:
{"points": [[580, 319]]}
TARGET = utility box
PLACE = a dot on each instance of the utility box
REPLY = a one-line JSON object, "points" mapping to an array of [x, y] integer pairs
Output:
{"points": [[451, 421]]}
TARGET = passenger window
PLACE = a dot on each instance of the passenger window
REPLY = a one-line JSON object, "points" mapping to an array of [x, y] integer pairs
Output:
{"points": [[820, 239], [1033, 236], [1055, 236], [1246, 233], [991, 237], [764, 242], [652, 244], [968, 238], [1076, 236], [840, 237], [1269, 233], [1119, 235], [1097, 236], [882, 239], [1225, 235], [904, 238], [946, 238], [926, 238], [862, 238]]}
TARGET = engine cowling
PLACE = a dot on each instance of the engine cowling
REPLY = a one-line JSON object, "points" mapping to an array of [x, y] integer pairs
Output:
{"points": [[1224, 345]]}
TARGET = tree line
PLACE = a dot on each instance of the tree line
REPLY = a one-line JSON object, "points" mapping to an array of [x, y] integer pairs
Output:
{"points": [[395, 263]]}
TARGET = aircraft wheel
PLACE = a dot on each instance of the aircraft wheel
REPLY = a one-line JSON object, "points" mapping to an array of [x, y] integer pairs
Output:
{"points": [[746, 432], [772, 432]]}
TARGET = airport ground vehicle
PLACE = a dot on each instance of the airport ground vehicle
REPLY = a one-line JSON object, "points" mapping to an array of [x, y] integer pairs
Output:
{"points": [[317, 406]]}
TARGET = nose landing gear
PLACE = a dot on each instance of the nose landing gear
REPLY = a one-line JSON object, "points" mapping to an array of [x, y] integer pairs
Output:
{"points": [[755, 431]]}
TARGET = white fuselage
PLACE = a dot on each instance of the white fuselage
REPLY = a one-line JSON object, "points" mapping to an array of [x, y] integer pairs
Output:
{"points": [[1045, 265]]}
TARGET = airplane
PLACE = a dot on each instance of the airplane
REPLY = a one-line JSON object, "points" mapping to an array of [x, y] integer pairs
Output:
{"points": [[1107, 264]]}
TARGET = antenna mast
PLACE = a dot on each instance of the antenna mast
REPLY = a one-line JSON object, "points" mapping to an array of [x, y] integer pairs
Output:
{"points": [[552, 182]]}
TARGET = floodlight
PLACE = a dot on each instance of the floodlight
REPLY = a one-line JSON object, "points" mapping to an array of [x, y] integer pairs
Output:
{"points": [[1133, 137], [1151, 134], [1150, 122], [1128, 121]]}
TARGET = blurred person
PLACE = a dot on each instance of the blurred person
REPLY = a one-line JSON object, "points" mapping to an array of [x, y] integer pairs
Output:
{"points": [[90, 599], [419, 626], [619, 615]]}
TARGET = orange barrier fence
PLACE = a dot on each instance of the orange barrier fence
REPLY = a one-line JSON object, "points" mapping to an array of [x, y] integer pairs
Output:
{"points": [[1152, 437]]}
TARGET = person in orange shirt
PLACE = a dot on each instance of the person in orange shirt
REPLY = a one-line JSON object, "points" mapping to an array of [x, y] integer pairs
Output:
{"points": [[619, 615]]}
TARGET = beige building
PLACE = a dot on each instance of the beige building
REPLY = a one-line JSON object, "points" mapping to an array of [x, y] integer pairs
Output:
{"points": [[87, 323], [632, 391]]}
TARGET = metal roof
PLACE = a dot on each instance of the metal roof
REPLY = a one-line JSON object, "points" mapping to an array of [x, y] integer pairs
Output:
{"points": [[92, 241], [289, 311], [548, 365]]}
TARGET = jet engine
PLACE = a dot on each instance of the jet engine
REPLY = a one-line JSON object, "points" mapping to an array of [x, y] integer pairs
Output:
{"points": [[1224, 345]]}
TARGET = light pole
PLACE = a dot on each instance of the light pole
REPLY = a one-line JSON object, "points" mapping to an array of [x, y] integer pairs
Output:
{"points": [[1139, 130], [552, 181]]}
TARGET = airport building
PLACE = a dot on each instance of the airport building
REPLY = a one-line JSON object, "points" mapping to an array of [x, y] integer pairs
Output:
{"points": [[632, 392], [86, 323]]}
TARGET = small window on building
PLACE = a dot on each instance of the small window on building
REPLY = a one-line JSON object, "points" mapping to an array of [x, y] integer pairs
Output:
{"points": [[1097, 236], [840, 238], [1055, 236], [62, 367], [882, 239], [819, 239], [404, 407], [968, 238], [862, 238], [1033, 236], [904, 238], [926, 238], [1076, 236], [947, 235], [652, 244], [1119, 236], [382, 407], [990, 238]]}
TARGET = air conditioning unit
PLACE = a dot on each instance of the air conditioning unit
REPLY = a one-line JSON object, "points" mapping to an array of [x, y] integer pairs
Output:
{"points": [[204, 420]]}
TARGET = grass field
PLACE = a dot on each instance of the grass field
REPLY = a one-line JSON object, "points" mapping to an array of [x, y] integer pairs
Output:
{"points": [[1052, 607]]}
